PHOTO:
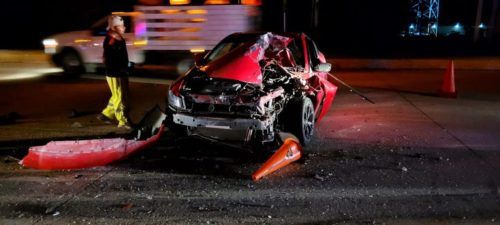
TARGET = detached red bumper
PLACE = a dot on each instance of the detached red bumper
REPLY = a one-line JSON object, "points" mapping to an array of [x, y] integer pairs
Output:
{"points": [[57, 155]]}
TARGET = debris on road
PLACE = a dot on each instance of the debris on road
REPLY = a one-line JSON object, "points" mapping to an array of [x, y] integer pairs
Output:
{"points": [[74, 114], [127, 206], [318, 177], [51, 209], [8, 159], [76, 125], [57, 155]]}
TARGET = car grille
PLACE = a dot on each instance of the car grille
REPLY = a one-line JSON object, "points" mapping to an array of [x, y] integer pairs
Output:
{"points": [[219, 109]]}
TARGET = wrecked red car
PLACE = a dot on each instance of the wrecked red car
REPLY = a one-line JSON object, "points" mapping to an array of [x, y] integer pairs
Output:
{"points": [[250, 88]]}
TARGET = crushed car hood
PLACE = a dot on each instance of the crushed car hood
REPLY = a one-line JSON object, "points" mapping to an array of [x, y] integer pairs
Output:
{"points": [[242, 63]]}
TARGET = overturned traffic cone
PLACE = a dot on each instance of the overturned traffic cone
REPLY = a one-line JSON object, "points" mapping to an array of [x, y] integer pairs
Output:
{"points": [[448, 85], [290, 151]]}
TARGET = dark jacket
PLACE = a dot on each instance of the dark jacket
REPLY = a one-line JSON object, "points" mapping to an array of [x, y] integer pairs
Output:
{"points": [[115, 55]]}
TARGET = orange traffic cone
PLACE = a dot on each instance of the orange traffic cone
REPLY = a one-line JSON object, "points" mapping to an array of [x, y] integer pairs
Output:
{"points": [[290, 151], [448, 85]]}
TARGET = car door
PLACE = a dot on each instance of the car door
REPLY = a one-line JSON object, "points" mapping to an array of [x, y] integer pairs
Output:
{"points": [[326, 90], [296, 47], [315, 57]]}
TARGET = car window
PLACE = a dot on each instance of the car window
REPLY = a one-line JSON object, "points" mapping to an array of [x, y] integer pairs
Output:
{"points": [[222, 49], [297, 51], [227, 45], [313, 52]]}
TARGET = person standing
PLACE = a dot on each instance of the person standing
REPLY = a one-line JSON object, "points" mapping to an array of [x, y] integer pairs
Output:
{"points": [[115, 59]]}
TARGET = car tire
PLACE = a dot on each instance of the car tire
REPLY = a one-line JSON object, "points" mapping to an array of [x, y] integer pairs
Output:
{"points": [[71, 63], [300, 119]]}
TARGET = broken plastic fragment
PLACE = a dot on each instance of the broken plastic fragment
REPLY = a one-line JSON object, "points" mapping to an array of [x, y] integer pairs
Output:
{"points": [[58, 155]]}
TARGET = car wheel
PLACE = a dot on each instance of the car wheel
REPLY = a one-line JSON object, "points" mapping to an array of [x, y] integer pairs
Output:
{"points": [[71, 63], [300, 119]]}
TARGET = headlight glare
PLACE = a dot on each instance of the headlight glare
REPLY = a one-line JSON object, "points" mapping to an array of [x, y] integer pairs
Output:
{"points": [[50, 42], [175, 101]]}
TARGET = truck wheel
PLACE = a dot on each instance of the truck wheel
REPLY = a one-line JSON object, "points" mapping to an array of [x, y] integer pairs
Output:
{"points": [[300, 119], [71, 63]]}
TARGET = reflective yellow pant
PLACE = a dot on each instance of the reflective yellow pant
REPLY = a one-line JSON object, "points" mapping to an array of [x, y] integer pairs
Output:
{"points": [[118, 103]]}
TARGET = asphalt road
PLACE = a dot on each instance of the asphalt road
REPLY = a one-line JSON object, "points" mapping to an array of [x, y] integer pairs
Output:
{"points": [[411, 158]]}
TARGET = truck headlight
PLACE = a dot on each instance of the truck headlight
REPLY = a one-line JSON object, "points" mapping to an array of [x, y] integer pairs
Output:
{"points": [[140, 43], [175, 101], [50, 45], [50, 42]]}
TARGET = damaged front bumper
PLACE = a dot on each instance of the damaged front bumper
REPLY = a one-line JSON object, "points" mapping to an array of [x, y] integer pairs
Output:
{"points": [[222, 123], [227, 129]]}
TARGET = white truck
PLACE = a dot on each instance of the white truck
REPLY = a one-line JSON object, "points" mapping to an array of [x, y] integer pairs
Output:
{"points": [[153, 31]]}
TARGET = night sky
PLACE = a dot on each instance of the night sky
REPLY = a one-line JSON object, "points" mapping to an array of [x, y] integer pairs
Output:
{"points": [[358, 24]]}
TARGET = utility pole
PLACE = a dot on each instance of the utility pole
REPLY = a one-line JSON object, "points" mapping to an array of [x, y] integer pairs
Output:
{"points": [[479, 16], [315, 14], [284, 15], [479, 27], [491, 23]]}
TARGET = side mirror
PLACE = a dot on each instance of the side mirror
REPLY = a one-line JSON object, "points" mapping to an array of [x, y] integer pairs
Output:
{"points": [[323, 67], [199, 58]]}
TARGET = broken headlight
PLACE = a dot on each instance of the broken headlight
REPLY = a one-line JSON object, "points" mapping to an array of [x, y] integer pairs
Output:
{"points": [[175, 101]]}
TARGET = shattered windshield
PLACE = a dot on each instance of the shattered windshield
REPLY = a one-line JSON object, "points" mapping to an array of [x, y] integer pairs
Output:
{"points": [[228, 45]]}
